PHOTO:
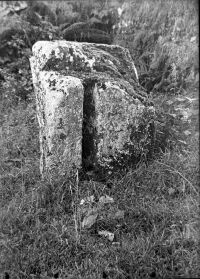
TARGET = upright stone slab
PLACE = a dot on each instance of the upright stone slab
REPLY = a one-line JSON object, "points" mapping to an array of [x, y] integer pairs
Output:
{"points": [[60, 112], [91, 110], [116, 113]]}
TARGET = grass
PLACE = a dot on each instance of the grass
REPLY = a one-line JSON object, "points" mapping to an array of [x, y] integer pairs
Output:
{"points": [[41, 234], [157, 236], [162, 37]]}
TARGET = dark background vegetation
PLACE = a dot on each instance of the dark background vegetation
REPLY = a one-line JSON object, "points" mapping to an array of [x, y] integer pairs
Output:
{"points": [[158, 234]]}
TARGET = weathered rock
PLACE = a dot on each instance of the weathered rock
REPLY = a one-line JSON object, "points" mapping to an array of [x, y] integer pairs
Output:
{"points": [[60, 113], [93, 91]]}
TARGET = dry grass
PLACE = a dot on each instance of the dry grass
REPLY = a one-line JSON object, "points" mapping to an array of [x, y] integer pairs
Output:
{"points": [[163, 39]]}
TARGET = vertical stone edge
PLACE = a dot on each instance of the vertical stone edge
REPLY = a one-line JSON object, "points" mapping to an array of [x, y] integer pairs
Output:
{"points": [[39, 106], [59, 107]]}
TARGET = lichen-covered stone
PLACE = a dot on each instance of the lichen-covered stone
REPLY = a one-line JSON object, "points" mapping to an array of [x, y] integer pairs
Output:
{"points": [[60, 112], [93, 89], [88, 60]]}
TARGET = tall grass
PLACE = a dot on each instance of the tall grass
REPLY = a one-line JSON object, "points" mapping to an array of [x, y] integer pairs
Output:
{"points": [[162, 37]]}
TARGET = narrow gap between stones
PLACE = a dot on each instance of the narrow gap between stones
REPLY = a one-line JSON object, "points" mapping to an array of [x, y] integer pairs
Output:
{"points": [[88, 130]]}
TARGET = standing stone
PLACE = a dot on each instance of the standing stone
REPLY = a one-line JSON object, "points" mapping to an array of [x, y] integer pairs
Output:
{"points": [[60, 112], [91, 110], [116, 113]]}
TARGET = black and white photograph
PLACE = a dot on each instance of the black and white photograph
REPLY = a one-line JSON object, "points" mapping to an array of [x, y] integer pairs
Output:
{"points": [[99, 139]]}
